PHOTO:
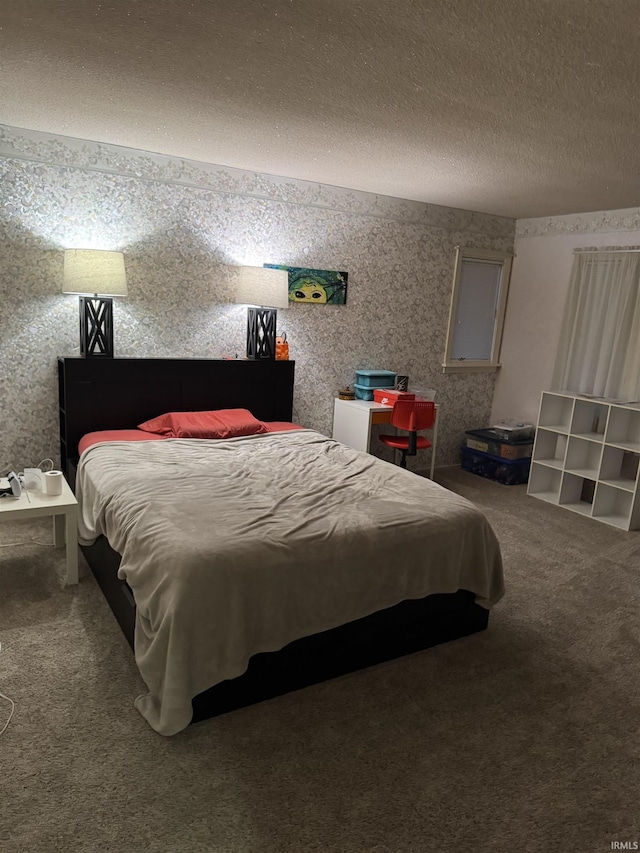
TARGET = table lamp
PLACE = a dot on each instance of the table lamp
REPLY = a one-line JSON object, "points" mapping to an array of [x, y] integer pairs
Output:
{"points": [[96, 276], [264, 290]]}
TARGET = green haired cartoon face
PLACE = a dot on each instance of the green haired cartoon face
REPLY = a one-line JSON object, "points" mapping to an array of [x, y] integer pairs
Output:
{"points": [[308, 290], [322, 287]]}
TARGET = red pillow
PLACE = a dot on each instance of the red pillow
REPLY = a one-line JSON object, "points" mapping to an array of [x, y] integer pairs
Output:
{"points": [[222, 423], [92, 438]]}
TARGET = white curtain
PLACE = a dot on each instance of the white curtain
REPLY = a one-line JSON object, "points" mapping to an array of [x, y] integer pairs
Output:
{"points": [[599, 350]]}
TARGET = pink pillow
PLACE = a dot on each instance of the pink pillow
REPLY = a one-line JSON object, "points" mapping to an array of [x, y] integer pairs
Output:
{"points": [[222, 423], [280, 426], [115, 435]]}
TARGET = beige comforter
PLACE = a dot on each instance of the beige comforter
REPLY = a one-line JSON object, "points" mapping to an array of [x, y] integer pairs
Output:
{"points": [[240, 546]]}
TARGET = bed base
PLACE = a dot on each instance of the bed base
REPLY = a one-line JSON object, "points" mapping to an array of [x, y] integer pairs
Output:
{"points": [[408, 627]]}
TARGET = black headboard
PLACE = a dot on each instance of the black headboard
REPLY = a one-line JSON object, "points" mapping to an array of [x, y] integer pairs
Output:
{"points": [[119, 393]]}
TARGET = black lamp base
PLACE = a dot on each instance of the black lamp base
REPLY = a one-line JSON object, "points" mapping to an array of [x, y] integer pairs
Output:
{"points": [[96, 327], [261, 333]]}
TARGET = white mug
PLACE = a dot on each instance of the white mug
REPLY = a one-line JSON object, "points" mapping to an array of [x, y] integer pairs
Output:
{"points": [[52, 483]]}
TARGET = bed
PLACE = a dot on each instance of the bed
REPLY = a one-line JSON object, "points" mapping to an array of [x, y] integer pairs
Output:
{"points": [[303, 559]]}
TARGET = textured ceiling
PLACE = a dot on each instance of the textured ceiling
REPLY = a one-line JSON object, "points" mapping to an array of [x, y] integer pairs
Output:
{"points": [[514, 107]]}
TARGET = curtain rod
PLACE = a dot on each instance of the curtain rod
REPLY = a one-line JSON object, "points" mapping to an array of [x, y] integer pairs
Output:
{"points": [[595, 250]]}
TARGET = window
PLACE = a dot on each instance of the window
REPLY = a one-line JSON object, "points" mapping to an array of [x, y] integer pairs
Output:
{"points": [[478, 302]]}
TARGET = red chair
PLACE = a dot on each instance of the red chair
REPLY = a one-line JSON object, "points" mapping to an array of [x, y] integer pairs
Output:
{"points": [[412, 416]]}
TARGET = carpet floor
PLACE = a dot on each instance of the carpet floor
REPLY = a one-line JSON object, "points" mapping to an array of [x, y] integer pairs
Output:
{"points": [[525, 737]]}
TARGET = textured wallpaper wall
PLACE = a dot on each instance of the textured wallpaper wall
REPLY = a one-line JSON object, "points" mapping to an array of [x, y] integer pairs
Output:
{"points": [[185, 228]]}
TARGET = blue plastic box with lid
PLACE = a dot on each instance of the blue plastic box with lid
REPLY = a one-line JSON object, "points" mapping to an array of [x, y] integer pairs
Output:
{"points": [[367, 380], [375, 378], [509, 472]]}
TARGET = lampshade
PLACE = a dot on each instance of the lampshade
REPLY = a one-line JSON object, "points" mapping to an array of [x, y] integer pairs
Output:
{"points": [[263, 286], [94, 271]]}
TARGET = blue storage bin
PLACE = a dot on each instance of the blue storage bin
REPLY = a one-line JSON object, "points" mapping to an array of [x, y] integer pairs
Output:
{"points": [[487, 441], [509, 472], [363, 392], [375, 379]]}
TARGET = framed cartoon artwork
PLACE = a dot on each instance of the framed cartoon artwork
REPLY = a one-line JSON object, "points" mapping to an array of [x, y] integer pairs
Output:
{"points": [[320, 287]]}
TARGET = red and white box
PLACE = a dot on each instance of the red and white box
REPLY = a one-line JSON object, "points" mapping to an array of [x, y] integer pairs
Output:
{"points": [[388, 396]]}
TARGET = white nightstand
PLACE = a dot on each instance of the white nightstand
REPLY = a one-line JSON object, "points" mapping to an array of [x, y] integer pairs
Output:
{"points": [[63, 508]]}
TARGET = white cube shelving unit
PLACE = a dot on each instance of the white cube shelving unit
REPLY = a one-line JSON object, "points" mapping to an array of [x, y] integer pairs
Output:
{"points": [[586, 457]]}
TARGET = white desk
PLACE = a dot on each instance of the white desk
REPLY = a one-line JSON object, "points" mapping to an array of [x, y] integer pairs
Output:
{"points": [[63, 508], [353, 419]]}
